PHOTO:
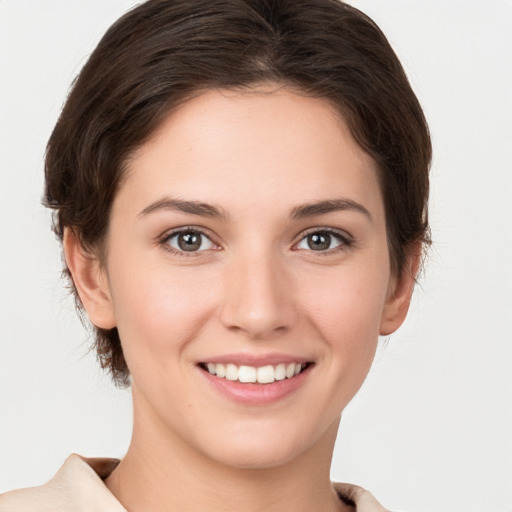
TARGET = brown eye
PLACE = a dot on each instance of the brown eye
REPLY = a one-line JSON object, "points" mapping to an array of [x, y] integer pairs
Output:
{"points": [[321, 241], [189, 241]]}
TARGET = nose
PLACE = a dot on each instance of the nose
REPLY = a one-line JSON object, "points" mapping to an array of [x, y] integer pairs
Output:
{"points": [[258, 297]]}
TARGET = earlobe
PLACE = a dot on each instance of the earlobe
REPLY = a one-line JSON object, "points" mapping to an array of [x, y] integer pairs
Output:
{"points": [[90, 281], [399, 296]]}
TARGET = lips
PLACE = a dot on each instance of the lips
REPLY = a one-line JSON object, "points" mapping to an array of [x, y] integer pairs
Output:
{"points": [[266, 374], [256, 379]]}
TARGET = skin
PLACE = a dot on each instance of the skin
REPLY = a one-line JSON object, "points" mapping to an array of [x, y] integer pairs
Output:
{"points": [[255, 287]]}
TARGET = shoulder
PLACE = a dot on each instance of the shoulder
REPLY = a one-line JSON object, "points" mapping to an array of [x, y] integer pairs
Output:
{"points": [[360, 498], [76, 487]]}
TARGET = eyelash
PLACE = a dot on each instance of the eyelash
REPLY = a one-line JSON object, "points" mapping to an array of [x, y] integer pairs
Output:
{"points": [[345, 241], [164, 241]]}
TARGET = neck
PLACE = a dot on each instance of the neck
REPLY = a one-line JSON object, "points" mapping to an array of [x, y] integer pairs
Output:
{"points": [[162, 472]]}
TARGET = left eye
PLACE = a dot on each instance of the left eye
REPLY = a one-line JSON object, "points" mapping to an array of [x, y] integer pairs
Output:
{"points": [[190, 241], [320, 241]]}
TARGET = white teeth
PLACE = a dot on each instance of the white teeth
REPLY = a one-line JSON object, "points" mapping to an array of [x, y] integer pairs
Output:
{"points": [[247, 374], [280, 373], [231, 372], [266, 374], [250, 374]]}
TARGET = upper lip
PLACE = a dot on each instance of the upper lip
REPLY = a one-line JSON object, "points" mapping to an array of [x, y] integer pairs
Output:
{"points": [[256, 360]]}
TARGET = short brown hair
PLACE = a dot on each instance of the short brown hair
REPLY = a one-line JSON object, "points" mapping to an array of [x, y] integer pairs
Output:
{"points": [[163, 52]]}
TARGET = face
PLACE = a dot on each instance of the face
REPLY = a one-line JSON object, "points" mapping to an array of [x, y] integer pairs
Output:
{"points": [[247, 271]]}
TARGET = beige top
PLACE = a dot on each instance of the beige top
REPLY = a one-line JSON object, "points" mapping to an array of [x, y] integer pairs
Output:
{"points": [[78, 487]]}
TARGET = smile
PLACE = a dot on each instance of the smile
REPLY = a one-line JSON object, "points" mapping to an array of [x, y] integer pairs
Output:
{"points": [[252, 374]]}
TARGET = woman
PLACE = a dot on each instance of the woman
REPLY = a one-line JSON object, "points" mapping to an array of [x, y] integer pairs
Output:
{"points": [[243, 329]]}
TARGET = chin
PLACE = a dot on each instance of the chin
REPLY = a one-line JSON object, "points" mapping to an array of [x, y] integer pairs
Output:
{"points": [[271, 447], [255, 457]]}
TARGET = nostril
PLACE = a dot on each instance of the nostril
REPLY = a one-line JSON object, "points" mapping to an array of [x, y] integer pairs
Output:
{"points": [[267, 321], [256, 297]]}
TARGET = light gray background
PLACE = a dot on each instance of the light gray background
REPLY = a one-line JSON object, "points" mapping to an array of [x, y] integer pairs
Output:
{"points": [[431, 430]]}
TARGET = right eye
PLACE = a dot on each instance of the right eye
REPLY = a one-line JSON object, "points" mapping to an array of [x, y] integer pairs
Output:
{"points": [[189, 240]]}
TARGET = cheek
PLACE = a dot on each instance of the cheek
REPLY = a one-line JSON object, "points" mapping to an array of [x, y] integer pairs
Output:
{"points": [[346, 308], [159, 310], [349, 301]]}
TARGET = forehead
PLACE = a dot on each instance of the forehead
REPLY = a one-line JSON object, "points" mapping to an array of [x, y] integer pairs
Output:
{"points": [[268, 143]]}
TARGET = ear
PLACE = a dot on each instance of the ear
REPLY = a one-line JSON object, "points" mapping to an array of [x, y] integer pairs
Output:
{"points": [[90, 280], [400, 293]]}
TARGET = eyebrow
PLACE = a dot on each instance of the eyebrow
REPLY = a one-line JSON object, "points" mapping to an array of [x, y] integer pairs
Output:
{"points": [[328, 206], [299, 212], [192, 207]]}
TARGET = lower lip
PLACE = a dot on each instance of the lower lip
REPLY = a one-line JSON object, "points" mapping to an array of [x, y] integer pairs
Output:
{"points": [[257, 394]]}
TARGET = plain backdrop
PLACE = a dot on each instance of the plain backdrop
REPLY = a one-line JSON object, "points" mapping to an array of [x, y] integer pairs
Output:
{"points": [[431, 429]]}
